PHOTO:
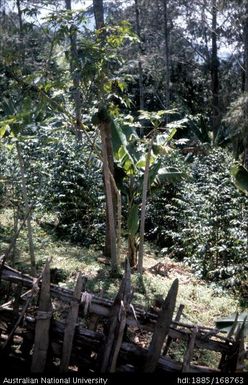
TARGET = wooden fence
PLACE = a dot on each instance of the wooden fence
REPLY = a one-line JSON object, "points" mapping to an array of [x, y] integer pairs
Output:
{"points": [[46, 328]]}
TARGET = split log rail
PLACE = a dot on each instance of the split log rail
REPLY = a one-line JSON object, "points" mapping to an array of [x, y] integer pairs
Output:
{"points": [[94, 336]]}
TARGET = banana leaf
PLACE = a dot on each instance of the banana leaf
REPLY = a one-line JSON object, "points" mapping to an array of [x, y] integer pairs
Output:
{"points": [[240, 177], [133, 220]]}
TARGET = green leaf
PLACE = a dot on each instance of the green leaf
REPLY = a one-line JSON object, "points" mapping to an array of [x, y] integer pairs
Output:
{"points": [[118, 137], [121, 148], [171, 134], [3, 129], [240, 177], [133, 220], [167, 175]]}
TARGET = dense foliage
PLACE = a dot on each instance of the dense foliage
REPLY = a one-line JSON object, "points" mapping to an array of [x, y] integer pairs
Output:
{"points": [[105, 129], [204, 221]]}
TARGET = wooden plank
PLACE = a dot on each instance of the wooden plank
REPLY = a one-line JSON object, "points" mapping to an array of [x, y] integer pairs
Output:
{"points": [[239, 349], [43, 318], [170, 339], [147, 319], [161, 329], [117, 324], [232, 360], [17, 297], [189, 351], [202, 342], [33, 292], [240, 366], [70, 325], [223, 365], [85, 339], [136, 355]]}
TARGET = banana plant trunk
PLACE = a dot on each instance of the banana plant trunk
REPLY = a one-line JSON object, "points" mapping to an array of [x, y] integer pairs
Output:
{"points": [[143, 207]]}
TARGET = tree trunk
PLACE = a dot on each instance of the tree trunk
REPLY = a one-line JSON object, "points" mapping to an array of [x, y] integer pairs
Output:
{"points": [[245, 38], [106, 127], [75, 74], [166, 54], [108, 167], [19, 11], [215, 74], [111, 231], [98, 13], [27, 210], [138, 31]]}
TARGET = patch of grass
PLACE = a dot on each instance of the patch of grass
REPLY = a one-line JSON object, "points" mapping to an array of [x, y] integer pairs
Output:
{"points": [[202, 303]]}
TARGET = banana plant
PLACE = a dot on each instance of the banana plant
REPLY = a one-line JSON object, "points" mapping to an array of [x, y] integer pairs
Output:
{"points": [[131, 158]]}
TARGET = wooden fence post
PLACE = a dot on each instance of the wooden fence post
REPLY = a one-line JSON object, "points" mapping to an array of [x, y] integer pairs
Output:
{"points": [[117, 323], [189, 351], [237, 361], [162, 328], [225, 359], [170, 339], [70, 325], [43, 318]]}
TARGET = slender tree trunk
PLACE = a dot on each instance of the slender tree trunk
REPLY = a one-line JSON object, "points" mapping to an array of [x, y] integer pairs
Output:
{"points": [[245, 38], [16, 223], [216, 117], [75, 74], [108, 164], [20, 160], [138, 31], [98, 13], [19, 11], [27, 209], [166, 54], [109, 200], [110, 157], [143, 207]]}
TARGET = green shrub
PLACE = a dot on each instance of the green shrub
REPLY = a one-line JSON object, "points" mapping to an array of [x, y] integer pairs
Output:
{"points": [[204, 221]]}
